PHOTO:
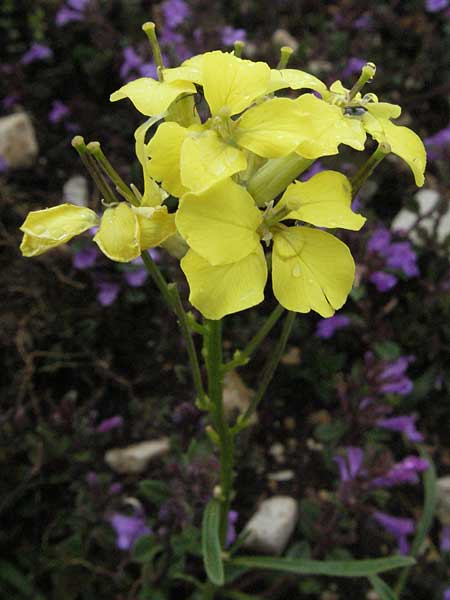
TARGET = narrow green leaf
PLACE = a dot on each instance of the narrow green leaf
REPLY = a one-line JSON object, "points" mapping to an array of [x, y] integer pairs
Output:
{"points": [[334, 568], [10, 574], [145, 549], [211, 550], [384, 591]]}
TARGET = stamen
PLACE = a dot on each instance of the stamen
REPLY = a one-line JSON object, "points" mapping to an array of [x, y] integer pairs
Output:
{"points": [[238, 48], [79, 144], [149, 29], [367, 74], [285, 54]]}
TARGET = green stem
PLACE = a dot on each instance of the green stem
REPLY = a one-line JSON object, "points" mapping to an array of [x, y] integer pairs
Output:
{"points": [[149, 30], [368, 167], [241, 357], [367, 73], [96, 151], [273, 177], [172, 297], [268, 372], [213, 348]]}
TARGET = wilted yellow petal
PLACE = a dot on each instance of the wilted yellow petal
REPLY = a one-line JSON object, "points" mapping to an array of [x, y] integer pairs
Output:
{"points": [[152, 97], [231, 84], [155, 225], [119, 235], [271, 129], [324, 201], [294, 79], [220, 223], [323, 127], [206, 159], [165, 149], [311, 270], [48, 228], [404, 143], [225, 289]]}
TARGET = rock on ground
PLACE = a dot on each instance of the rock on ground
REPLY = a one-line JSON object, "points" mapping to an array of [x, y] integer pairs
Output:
{"points": [[76, 191], [272, 525], [18, 144], [135, 458]]}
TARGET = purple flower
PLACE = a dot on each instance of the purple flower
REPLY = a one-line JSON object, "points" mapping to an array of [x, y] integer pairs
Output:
{"points": [[131, 62], [136, 278], [393, 380], [446, 595], [115, 488], [92, 479], [400, 528], [128, 529], [362, 22], [78, 4], [436, 5], [403, 472], [3, 165], [35, 53], [85, 258], [108, 292], [350, 465], [231, 531], [59, 111], [402, 256], [445, 539], [109, 424], [379, 241], [315, 168], [354, 65], [175, 12], [149, 69], [66, 15], [437, 142], [231, 35], [9, 101], [405, 424], [326, 328], [383, 281]]}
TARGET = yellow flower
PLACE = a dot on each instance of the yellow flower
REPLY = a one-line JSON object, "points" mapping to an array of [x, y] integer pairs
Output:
{"points": [[199, 156], [340, 119], [123, 234], [226, 268]]}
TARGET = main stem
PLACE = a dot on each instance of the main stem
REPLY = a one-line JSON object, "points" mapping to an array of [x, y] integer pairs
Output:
{"points": [[213, 356]]}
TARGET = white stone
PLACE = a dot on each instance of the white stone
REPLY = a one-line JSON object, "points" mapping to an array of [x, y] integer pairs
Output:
{"points": [[236, 396], [426, 200], [443, 500], [285, 475], [76, 190], [443, 228], [272, 525], [18, 144], [135, 458], [403, 220]]}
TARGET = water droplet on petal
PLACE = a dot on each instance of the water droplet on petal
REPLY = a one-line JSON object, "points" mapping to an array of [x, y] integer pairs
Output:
{"points": [[296, 271]]}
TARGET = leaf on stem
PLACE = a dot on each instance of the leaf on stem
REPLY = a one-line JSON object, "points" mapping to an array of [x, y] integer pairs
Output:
{"points": [[211, 550]]}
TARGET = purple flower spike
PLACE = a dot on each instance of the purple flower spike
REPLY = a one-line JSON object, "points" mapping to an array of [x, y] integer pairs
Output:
{"points": [[405, 424], [398, 527], [79, 5], [231, 531], [327, 327], [35, 53], [136, 278], [405, 471], [109, 424], [108, 292], [128, 529], [392, 379], [354, 65], [436, 5], [131, 62], [175, 12], [58, 112], [402, 257], [445, 539], [383, 281], [231, 35], [350, 465]]}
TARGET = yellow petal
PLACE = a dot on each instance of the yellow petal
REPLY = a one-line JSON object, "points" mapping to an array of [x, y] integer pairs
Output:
{"points": [[165, 149], [324, 127], [404, 143], [384, 110], [311, 270], [220, 223], [231, 84], [271, 129], [51, 227], [225, 289], [152, 97], [153, 194], [155, 225], [324, 200], [207, 159], [190, 70], [294, 79], [119, 236]]}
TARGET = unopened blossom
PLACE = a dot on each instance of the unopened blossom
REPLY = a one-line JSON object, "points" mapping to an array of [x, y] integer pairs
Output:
{"points": [[403, 424], [326, 328], [35, 53], [350, 464], [107, 292], [128, 529], [400, 528]]}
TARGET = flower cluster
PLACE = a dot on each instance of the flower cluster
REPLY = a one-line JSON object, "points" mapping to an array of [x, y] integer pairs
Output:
{"points": [[233, 174]]}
